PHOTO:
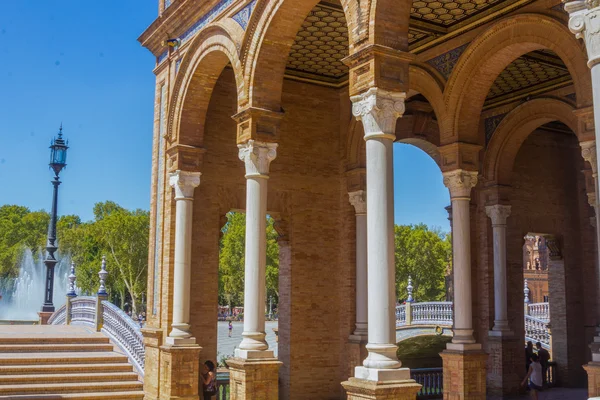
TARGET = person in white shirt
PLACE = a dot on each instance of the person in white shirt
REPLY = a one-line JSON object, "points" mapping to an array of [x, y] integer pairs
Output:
{"points": [[535, 377]]}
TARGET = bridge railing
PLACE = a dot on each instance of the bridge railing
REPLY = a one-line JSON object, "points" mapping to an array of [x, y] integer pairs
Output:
{"points": [[426, 313], [83, 311], [539, 310], [537, 330], [59, 317], [125, 333]]}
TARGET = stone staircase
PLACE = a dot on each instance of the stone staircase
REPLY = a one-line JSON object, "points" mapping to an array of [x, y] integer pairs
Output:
{"points": [[63, 362]]}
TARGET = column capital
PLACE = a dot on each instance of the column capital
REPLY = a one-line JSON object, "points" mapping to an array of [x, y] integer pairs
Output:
{"points": [[584, 22], [257, 156], [378, 110], [498, 213], [184, 183], [588, 152], [359, 200], [592, 199], [460, 183]]}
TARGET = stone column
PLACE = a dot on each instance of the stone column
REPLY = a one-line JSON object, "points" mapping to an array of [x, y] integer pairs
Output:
{"points": [[359, 200], [380, 377], [464, 361], [183, 183], [498, 214], [257, 156]]}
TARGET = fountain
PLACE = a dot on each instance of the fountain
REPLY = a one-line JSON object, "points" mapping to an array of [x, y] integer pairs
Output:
{"points": [[22, 297]]}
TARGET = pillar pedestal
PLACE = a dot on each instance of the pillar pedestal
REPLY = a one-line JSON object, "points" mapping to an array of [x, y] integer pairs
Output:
{"points": [[362, 389], [593, 372], [152, 341], [464, 374], [503, 376], [44, 317], [179, 373], [254, 379]]}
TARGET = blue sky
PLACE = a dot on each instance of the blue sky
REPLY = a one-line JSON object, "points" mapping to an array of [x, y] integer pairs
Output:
{"points": [[79, 62]]}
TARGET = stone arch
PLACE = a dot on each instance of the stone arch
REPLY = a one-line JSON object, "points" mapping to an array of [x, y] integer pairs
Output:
{"points": [[211, 51], [515, 128], [491, 52], [427, 147], [424, 82]]}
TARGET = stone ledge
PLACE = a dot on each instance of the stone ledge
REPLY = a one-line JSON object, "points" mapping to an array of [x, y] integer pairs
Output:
{"points": [[361, 389]]}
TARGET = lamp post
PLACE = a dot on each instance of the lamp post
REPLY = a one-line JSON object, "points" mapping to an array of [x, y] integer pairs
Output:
{"points": [[58, 160]]}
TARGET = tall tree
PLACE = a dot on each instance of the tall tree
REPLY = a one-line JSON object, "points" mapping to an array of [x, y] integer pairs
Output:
{"points": [[422, 254]]}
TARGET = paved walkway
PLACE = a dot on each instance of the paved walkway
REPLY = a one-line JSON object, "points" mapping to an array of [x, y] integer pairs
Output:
{"points": [[556, 394], [226, 345]]}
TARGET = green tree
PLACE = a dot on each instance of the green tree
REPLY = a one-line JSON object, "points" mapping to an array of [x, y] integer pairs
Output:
{"points": [[231, 260], [422, 254]]}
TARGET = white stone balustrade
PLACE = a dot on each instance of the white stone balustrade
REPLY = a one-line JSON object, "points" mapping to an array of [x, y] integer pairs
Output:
{"points": [[539, 310]]}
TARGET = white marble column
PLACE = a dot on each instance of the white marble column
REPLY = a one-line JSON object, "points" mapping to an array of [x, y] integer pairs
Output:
{"points": [[257, 157], [378, 110], [498, 214], [460, 183], [183, 184], [359, 200]]}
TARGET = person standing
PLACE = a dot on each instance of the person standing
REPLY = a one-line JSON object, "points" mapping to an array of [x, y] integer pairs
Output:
{"points": [[230, 328], [544, 357], [209, 380], [528, 354], [535, 377]]}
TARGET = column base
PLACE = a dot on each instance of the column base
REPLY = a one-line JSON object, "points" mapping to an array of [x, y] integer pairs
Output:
{"points": [[503, 376], [362, 389], [382, 375], [464, 374], [181, 341], [152, 342], [44, 317], [593, 373], [254, 354], [179, 372], [254, 379], [357, 352]]}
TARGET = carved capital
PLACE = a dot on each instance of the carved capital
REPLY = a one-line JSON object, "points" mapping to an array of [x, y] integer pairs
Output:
{"points": [[498, 213], [460, 183], [584, 22], [185, 158], [359, 200], [184, 183], [378, 110], [257, 156], [588, 152]]}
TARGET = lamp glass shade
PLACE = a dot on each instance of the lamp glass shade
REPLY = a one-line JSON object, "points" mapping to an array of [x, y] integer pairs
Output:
{"points": [[58, 154]]}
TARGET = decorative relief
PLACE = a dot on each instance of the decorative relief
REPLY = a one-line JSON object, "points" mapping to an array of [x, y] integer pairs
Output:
{"points": [[205, 19], [378, 110], [358, 199], [449, 12], [584, 22], [498, 213], [460, 182], [444, 63], [491, 123], [243, 16], [257, 156], [588, 152], [184, 183]]}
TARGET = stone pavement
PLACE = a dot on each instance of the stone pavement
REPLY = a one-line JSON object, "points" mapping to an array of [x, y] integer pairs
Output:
{"points": [[226, 345], [555, 394]]}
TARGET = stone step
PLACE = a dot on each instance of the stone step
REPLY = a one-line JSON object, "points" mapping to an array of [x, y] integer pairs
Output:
{"points": [[60, 388], [99, 357], [63, 368], [54, 347], [52, 339], [133, 395], [82, 377]]}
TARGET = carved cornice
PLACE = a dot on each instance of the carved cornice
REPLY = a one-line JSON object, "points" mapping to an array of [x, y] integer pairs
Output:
{"points": [[584, 22], [257, 124], [498, 214], [184, 183], [460, 183], [588, 152], [378, 110], [359, 200], [257, 156], [185, 158]]}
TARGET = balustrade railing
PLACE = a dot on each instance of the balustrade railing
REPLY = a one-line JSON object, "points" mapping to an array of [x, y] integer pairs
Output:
{"points": [[401, 315], [536, 330], [432, 313], [83, 311], [223, 388], [125, 333], [539, 311], [432, 380], [59, 317]]}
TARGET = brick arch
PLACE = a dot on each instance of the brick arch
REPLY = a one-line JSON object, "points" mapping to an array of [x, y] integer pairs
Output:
{"points": [[514, 129], [427, 147], [212, 50], [355, 150], [426, 83], [491, 52]]}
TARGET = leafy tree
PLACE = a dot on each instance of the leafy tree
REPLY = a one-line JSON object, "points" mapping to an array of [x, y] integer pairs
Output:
{"points": [[232, 261], [422, 254]]}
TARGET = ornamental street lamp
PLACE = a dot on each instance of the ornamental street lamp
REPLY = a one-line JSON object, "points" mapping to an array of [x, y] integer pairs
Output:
{"points": [[58, 160]]}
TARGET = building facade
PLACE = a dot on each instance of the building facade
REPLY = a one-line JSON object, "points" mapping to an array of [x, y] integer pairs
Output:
{"points": [[291, 107]]}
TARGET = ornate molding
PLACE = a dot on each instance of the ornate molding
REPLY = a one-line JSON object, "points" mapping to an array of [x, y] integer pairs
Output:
{"points": [[498, 213], [359, 200], [584, 22], [588, 152], [378, 110], [257, 156], [184, 183], [460, 183]]}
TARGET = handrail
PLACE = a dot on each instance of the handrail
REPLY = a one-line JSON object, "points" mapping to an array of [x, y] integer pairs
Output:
{"points": [[59, 317], [83, 310], [536, 330], [432, 312], [125, 333], [539, 310]]}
